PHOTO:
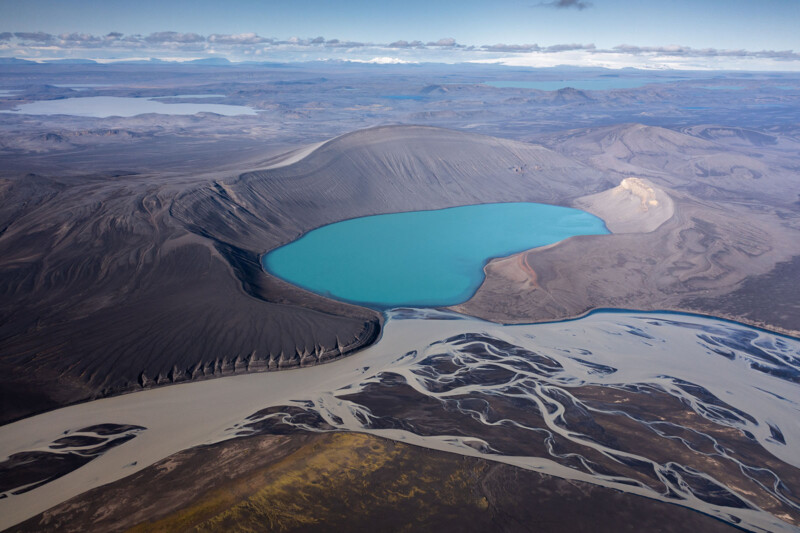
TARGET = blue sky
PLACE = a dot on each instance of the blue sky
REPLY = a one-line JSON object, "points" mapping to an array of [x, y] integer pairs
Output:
{"points": [[753, 25]]}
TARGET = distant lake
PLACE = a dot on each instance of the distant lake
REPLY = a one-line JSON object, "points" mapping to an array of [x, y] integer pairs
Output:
{"points": [[192, 96], [404, 97], [116, 106], [421, 258], [81, 86], [723, 87], [591, 84]]}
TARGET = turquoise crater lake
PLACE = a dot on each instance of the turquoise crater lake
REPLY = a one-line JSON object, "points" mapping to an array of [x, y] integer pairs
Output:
{"points": [[421, 258]]}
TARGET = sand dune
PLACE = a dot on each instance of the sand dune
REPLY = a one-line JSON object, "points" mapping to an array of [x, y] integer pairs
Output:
{"points": [[634, 206]]}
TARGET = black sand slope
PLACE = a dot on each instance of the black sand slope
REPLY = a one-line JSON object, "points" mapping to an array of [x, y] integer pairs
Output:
{"points": [[110, 283]]}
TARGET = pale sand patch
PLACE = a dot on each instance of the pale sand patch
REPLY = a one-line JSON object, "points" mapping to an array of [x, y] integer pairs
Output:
{"points": [[634, 206]]}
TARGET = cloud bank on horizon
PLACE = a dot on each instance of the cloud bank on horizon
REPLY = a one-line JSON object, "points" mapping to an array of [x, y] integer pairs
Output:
{"points": [[172, 45]]}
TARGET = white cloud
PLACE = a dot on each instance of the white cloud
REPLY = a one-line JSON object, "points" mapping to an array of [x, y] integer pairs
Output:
{"points": [[174, 37], [383, 61], [170, 44], [237, 38], [447, 41]]}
